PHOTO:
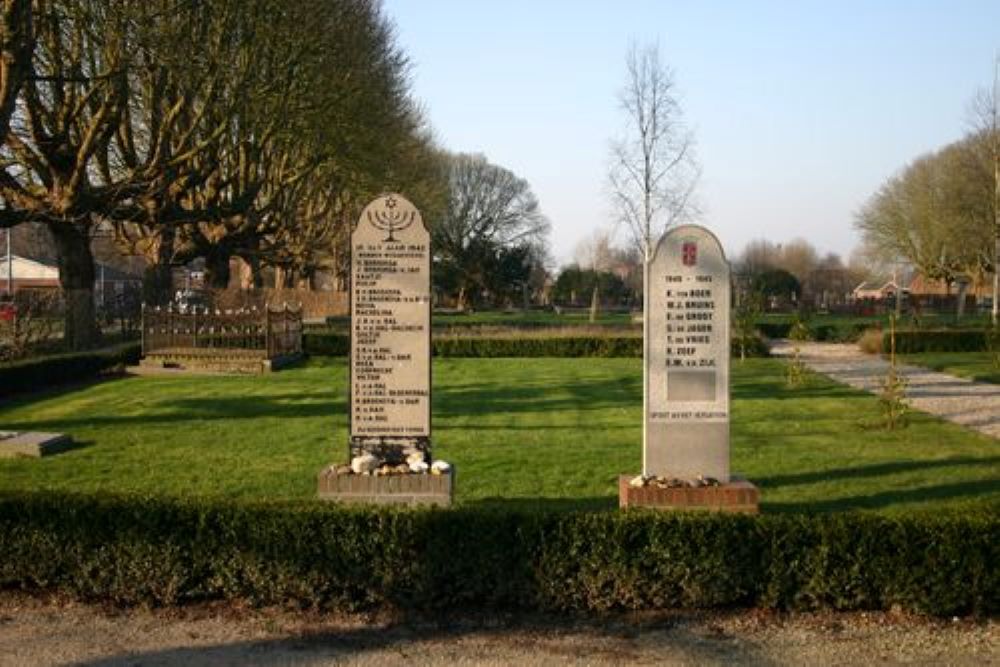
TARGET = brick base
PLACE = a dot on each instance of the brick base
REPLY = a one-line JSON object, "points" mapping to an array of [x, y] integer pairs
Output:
{"points": [[738, 495], [424, 489]]}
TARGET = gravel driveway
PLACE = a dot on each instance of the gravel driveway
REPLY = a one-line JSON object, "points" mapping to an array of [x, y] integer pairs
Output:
{"points": [[34, 632], [975, 405]]}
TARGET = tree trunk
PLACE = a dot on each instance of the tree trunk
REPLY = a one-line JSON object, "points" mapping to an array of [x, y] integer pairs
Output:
{"points": [[595, 304], [963, 288], [76, 277], [256, 273], [217, 270], [157, 283]]}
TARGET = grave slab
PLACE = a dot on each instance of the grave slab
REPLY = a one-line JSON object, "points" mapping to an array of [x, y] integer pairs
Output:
{"points": [[32, 444]]}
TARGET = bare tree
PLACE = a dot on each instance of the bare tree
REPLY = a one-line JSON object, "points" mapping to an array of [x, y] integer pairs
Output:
{"points": [[596, 252], [986, 121], [489, 209], [653, 170]]}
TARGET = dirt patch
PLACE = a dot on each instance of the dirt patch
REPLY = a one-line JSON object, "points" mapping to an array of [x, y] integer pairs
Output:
{"points": [[53, 632]]}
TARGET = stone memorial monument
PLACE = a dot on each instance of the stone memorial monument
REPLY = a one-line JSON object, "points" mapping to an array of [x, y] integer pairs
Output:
{"points": [[686, 380], [390, 386]]}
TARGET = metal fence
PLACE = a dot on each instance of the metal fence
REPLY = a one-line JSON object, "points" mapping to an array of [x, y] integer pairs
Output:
{"points": [[274, 332]]}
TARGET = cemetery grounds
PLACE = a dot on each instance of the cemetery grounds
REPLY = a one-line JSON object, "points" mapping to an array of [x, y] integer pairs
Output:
{"points": [[547, 432], [551, 433]]}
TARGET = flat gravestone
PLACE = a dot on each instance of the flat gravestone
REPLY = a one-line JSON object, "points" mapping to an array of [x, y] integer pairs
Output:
{"points": [[32, 444], [687, 358], [391, 332]]}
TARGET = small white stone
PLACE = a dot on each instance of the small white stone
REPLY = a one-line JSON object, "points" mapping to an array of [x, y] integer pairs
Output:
{"points": [[366, 463], [637, 482], [440, 467], [419, 466]]}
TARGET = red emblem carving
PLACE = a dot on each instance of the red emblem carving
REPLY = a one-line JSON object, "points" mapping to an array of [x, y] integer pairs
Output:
{"points": [[689, 253]]}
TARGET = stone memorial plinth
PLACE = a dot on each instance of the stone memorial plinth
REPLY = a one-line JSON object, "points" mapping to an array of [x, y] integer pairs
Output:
{"points": [[686, 379], [390, 385], [32, 444], [412, 489]]}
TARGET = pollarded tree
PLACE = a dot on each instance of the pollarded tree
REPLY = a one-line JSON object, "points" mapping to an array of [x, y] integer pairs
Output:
{"points": [[72, 101], [935, 215], [489, 209], [986, 124]]}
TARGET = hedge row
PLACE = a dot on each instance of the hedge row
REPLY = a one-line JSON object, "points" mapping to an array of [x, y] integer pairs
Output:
{"points": [[841, 332], [944, 340], [41, 372], [148, 551], [334, 344]]}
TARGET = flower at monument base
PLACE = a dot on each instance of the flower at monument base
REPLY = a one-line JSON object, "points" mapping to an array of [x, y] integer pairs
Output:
{"points": [[440, 467], [419, 467]]}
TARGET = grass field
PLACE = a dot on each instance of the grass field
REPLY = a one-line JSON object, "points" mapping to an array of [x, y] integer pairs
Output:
{"points": [[541, 432], [973, 365]]}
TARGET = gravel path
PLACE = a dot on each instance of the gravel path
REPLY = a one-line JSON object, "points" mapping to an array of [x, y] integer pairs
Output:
{"points": [[35, 632], [975, 405]]}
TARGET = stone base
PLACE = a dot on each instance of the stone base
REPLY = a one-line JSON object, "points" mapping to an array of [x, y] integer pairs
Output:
{"points": [[738, 495], [32, 444], [417, 489], [211, 361]]}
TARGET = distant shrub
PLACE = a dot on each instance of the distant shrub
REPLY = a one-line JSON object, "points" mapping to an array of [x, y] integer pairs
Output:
{"points": [[871, 341]]}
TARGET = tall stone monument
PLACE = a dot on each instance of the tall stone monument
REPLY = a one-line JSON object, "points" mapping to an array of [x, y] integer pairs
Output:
{"points": [[390, 332], [686, 377], [390, 363]]}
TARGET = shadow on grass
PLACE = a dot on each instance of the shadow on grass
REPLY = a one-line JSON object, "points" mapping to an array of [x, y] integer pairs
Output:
{"points": [[867, 471], [59, 389], [959, 490], [492, 399], [211, 408]]}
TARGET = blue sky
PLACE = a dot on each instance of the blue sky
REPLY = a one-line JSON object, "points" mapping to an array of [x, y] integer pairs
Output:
{"points": [[800, 109]]}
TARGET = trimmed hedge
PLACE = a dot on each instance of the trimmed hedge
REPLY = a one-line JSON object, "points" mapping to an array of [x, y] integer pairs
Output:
{"points": [[942, 340], [42, 372], [334, 344], [128, 550], [840, 332]]}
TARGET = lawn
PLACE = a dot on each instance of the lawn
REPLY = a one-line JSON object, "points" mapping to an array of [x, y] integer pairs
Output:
{"points": [[973, 365], [546, 432]]}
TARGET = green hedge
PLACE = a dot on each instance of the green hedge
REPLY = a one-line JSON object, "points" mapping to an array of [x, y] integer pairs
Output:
{"points": [[840, 332], [41, 372], [943, 340], [148, 551], [334, 344], [326, 344]]}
